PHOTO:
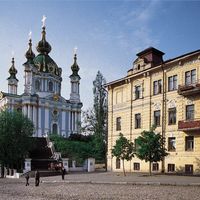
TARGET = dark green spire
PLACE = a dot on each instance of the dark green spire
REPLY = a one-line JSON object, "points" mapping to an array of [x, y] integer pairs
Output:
{"points": [[12, 71], [29, 54], [75, 67], [43, 46]]}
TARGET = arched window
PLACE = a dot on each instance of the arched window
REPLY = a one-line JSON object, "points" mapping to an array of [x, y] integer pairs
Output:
{"points": [[50, 86], [55, 128], [37, 85]]}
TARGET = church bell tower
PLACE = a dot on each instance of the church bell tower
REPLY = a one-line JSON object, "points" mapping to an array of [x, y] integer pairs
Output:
{"points": [[12, 80], [75, 81]]}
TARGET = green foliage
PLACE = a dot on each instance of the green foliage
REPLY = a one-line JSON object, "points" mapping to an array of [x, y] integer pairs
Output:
{"points": [[78, 150], [88, 122], [99, 148], [79, 137], [15, 138], [100, 105], [123, 149], [94, 121], [151, 147]]}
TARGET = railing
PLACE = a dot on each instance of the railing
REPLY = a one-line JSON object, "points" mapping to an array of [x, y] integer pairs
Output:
{"points": [[188, 89], [189, 125]]}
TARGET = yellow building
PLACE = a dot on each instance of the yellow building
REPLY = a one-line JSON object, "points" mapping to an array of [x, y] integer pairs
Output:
{"points": [[164, 93]]}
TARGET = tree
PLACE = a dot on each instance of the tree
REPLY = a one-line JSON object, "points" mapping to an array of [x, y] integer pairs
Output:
{"points": [[94, 120], [15, 140], [76, 147], [88, 122], [150, 147], [123, 149], [100, 114], [100, 105]]}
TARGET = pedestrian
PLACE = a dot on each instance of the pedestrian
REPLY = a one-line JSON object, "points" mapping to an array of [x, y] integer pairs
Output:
{"points": [[37, 178], [63, 171], [27, 178]]}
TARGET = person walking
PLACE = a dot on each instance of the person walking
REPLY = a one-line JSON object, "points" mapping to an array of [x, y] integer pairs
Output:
{"points": [[63, 171], [37, 178], [27, 179]]}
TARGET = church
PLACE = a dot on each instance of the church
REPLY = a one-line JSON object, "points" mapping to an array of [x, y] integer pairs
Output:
{"points": [[41, 101]]}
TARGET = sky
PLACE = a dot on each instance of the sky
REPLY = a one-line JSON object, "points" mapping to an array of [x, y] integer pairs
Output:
{"points": [[108, 35]]}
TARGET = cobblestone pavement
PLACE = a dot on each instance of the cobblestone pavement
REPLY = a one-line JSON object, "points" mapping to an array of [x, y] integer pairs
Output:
{"points": [[131, 178], [106, 186]]}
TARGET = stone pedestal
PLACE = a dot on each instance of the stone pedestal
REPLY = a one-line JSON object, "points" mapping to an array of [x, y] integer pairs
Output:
{"points": [[65, 162], [27, 164], [73, 164], [91, 165]]}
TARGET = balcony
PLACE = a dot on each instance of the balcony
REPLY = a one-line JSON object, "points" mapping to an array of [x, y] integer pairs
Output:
{"points": [[189, 89], [189, 125]]}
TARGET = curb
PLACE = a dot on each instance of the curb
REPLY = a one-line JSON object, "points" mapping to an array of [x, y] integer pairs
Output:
{"points": [[125, 183]]}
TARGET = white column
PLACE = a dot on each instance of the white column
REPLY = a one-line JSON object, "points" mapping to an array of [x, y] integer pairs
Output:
{"points": [[63, 131], [39, 122], [46, 85], [42, 85], [35, 118], [75, 121], [46, 120], [72, 121], [25, 110], [69, 123], [30, 112], [79, 120]]}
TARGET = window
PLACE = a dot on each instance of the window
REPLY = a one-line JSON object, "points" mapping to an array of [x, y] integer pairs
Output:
{"points": [[172, 83], [189, 143], [118, 124], [157, 118], [157, 87], [189, 169], [189, 112], [137, 92], [172, 116], [155, 167], [190, 77], [37, 85], [171, 167], [136, 166], [55, 128], [118, 163], [50, 86], [138, 120], [171, 144]]}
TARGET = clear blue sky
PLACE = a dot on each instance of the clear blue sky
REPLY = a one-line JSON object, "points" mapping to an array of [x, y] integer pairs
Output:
{"points": [[108, 35]]}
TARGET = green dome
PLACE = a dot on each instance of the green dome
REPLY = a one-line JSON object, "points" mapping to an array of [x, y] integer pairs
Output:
{"points": [[45, 63], [43, 46], [12, 71], [75, 67], [29, 54]]}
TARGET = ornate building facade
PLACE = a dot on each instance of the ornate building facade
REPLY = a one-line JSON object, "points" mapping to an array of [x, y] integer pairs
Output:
{"points": [[42, 101], [161, 93]]}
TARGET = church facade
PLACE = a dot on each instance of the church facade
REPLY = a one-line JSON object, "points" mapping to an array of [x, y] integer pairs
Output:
{"points": [[42, 101]]}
